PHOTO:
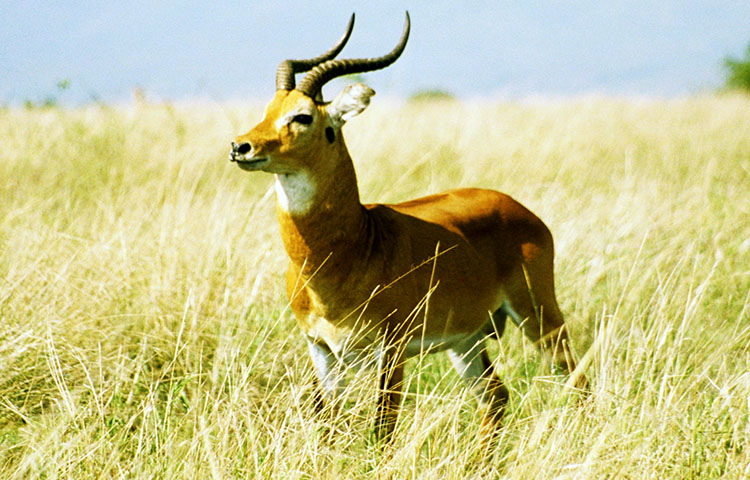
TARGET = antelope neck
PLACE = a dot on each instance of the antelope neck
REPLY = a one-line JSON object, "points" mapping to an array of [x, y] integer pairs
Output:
{"points": [[320, 216]]}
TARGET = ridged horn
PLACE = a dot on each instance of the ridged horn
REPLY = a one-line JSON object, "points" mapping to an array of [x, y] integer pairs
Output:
{"points": [[321, 74], [288, 68]]}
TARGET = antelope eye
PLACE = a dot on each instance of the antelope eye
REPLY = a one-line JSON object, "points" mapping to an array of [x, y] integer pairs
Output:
{"points": [[303, 118]]}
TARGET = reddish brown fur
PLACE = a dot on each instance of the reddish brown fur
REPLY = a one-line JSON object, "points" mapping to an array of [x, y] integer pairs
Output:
{"points": [[353, 266]]}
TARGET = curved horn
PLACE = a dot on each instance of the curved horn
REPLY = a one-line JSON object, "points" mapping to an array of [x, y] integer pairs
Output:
{"points": [[286, 69], [311, 84]]}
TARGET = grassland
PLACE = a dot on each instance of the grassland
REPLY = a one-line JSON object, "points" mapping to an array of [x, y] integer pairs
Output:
{"points": [[144, 332]]}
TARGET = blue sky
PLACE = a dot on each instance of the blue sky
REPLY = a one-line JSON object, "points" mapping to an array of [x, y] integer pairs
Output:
{"points": [[229, 50]]}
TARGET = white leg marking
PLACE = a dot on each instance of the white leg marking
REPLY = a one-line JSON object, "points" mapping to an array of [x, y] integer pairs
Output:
{"points": [[331, 378], [470, 360]]}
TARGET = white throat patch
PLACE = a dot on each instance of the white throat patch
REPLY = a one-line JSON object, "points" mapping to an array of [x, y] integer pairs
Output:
{"points": [[295, 192]]}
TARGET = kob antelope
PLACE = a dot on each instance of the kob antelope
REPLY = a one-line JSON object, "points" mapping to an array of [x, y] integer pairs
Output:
{"points": [[441, 272]]}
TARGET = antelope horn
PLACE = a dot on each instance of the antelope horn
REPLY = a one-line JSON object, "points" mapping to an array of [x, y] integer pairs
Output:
{"points": [[311, 84], [286, 69]]}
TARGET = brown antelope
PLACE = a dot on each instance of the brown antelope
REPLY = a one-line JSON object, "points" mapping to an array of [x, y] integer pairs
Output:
{"points": [[441, 272]]}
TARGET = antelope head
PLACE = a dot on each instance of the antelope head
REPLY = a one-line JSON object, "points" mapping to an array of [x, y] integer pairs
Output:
{"points": [[299, 131]]}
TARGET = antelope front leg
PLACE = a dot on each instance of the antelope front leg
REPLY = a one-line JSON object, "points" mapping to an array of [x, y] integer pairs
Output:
{"points": [[330, 379], [389, 394]]}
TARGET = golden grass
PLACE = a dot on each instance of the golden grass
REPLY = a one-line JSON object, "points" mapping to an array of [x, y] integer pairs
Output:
{"points": [[144, 331]]}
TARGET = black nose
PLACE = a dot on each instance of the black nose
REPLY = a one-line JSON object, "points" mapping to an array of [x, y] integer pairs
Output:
{"points": [[242, 148]]}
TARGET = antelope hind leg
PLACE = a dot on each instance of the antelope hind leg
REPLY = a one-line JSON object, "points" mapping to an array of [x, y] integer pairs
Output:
{"points": [[472, 363]]}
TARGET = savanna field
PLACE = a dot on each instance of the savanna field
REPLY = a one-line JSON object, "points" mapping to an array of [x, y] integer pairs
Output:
{"points": [[145, 332]]}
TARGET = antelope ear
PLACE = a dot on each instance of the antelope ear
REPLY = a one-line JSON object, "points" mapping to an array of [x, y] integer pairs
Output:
{"points": [[349, 103]]}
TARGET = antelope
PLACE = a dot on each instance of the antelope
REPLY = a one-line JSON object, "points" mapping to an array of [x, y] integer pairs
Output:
{"points": [[442, 272]]}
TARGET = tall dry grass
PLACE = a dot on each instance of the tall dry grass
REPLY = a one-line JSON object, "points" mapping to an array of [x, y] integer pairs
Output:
{"points": [[144, 332]]}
